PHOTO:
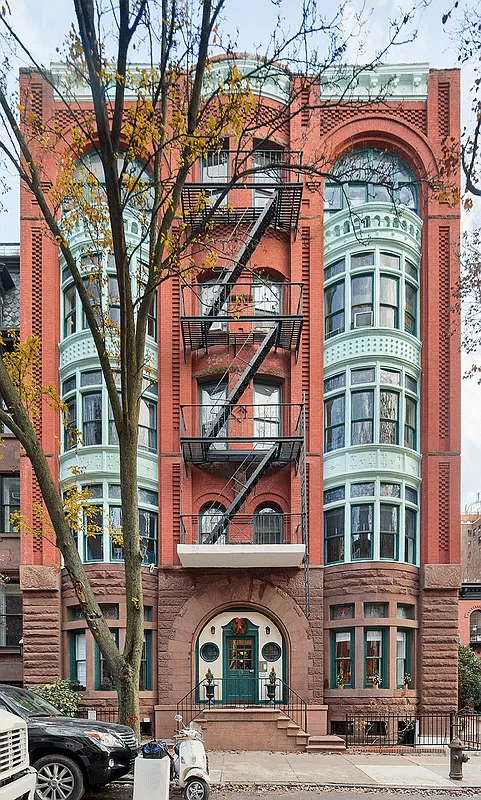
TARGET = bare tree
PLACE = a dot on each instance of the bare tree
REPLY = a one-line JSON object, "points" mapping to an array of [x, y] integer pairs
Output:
{"points": [[129, 151]]}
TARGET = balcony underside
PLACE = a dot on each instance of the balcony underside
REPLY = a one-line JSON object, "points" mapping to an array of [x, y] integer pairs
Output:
{"points": [[198, 333], [196, 211], [218, 556], [200, 450]]}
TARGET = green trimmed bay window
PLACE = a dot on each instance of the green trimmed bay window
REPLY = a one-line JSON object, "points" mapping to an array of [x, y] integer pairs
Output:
{"points": [[78, 659], [342, 658]]}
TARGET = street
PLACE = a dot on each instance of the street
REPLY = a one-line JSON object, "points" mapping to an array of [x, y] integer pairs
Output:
{"points": [[124, 792]]}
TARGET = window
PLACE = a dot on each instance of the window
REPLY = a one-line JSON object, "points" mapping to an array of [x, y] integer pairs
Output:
{"points": [[362, 301], [334, 535], [114, 300], [70, 429], [148, 535], [410, 536], [266, 297], [212, 399], [93, 526], [403, 657], [271, 651], [342, 670], [372, 610], [78, 661], [70, 311], [11, 617], [334, 423], [10, 500], [389, 523], [334, 309], [148, 425], [104, 679], [475, 627], [214, 168], [362, 417], [92, 418], [370, 176], [210, 529], [345, 611], [269, 162], [374, 658], [372, 297], [361, 531], [268, 525], [388, 302], [145, 681], [267, 414], [210, 296], [378, 414]]}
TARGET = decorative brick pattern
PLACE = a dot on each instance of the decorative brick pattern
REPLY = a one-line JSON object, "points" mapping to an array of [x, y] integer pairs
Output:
{"points": [[175, 354], [444, 335], [305, 360], [176, 503], [444, 511], [332, 117], [444, 121], [305, 113]]}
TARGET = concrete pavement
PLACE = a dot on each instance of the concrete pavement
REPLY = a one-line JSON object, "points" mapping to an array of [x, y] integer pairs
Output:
{"points": [[407, 770]]}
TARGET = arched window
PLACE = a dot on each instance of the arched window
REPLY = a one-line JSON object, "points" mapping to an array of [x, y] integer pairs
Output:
{"points": [[475, 627], [370, 176], [211, 529], [268, 524]]}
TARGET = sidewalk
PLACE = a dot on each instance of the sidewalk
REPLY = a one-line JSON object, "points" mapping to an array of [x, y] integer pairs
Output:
{"points": [[409, 770]]}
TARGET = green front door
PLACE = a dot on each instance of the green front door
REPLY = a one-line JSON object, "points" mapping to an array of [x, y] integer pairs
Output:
{"points": [[240, 663]]}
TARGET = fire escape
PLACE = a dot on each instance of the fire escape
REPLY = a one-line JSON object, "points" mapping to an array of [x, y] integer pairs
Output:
{"points": [[244, 441]]}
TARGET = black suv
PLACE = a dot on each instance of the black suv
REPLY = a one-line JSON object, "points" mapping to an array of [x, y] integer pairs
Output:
{"points": [[69, 754]]}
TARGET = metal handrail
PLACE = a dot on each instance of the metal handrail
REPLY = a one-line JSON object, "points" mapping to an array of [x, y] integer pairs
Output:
{"points": [[195, 701]]}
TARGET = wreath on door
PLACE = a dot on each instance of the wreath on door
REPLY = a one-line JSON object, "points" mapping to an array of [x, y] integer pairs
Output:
{"points": [[238, 626]]}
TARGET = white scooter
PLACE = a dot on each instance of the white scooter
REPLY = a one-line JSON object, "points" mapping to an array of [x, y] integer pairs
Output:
{"points": [[190, 768]]}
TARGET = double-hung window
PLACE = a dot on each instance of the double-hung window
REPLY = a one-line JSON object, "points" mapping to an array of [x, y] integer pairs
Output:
{"points": [[10, 615], [10, 500], [342, 648]]}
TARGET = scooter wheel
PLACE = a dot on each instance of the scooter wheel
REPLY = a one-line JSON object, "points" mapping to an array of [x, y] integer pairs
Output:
{"points": [[196, 789]]}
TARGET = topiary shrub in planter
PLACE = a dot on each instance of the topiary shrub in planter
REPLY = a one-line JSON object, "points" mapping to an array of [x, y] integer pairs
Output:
{"points": [[61, 694]]}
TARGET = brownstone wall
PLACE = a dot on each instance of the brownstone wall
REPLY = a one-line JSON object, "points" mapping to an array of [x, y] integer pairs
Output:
{"points": [[41, 618]]}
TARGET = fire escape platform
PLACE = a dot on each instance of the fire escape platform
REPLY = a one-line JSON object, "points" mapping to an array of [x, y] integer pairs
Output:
{"points": [[237, 556], [198, 450], [196, 211], [198, 333]]}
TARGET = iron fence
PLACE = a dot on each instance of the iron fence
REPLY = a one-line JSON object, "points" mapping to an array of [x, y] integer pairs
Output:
{"points": [[101, 713], [398, 730]]}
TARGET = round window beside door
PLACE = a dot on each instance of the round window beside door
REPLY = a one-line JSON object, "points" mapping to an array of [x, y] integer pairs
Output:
{"points": [[271, 651], [209, 652]]}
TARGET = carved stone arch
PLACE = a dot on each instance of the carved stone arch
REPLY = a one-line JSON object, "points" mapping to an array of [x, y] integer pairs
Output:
{"points": [[259, 595]]}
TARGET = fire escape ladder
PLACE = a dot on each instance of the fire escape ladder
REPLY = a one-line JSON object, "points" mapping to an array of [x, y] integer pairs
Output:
{"points": [[231, 275], [238, 390], [241, 496]]}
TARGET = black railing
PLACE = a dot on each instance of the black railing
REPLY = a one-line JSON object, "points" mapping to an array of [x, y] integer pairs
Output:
{"points": [[100, 713], [243, 692], [397, 730], [467, 725]]}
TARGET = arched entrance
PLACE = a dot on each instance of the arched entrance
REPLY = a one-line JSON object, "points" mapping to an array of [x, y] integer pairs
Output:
{"points": [[240, 647]]}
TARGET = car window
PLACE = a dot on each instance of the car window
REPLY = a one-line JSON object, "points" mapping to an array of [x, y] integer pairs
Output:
{"points": [[29, 704]]}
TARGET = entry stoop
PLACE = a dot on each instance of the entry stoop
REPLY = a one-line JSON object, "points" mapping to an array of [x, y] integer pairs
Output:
{"points": [[325, 744], [252, 728]]}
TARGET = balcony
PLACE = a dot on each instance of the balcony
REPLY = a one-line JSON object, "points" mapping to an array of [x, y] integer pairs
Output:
{"points": [[250, 178], [234, 313], [246, 434], [258, 540]]}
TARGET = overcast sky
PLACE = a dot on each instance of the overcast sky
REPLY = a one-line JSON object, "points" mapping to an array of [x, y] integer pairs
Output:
{"points": [[44, 26]]}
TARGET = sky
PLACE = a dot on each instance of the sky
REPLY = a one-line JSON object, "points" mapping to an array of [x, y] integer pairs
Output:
{"points": [[44, 26]]}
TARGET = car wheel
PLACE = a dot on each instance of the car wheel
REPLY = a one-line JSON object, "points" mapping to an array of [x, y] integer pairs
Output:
{"points": [[58, 778], [196, 789]]}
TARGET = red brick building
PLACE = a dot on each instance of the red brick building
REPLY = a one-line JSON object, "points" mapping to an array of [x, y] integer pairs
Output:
{"points": [[328, 551]]}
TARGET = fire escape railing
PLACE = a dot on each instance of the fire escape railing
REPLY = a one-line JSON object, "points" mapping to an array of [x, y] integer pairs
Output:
{"points": [[277, 204]]}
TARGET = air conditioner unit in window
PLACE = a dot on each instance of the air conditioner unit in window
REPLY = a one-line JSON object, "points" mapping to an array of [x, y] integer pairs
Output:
{"points": [[363, 319]]}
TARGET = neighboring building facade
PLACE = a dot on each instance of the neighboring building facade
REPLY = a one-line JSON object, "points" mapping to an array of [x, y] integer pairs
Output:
{"points": [[330, 555], [10, 593], [470, 591]]}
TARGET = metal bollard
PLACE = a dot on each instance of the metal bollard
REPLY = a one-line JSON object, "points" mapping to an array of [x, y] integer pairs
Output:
{"points": [[457, 758]]}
